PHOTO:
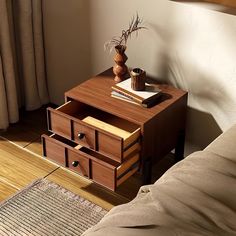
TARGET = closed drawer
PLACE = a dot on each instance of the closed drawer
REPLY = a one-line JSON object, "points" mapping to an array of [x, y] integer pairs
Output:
{"points": [[66, 153], [96, 129], [89, 163]]}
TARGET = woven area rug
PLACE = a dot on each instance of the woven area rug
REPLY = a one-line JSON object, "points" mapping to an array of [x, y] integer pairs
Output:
{"points": [[45, 208]]}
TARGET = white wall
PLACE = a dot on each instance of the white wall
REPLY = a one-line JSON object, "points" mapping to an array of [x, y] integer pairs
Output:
{"points": [[67, 45], [191, 47]]}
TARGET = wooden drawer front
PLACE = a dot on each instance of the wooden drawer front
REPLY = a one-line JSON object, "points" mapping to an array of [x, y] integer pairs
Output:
{"points": [[62, 122], [84, 135], [113, 140], [66, 153], [112, 176], [79, 163], [59, 124], [103, 175], [53, 151], [115, 147], [110, 146]]}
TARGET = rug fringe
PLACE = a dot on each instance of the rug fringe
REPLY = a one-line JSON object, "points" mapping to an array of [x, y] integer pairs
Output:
{"points": [[4, 202]]}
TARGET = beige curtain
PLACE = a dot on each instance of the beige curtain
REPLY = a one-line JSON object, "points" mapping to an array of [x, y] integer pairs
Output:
{"points": [[22, 67]]}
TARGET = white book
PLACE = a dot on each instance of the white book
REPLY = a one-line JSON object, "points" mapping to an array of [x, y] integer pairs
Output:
{"points": [[117, 95], [150, 93]]}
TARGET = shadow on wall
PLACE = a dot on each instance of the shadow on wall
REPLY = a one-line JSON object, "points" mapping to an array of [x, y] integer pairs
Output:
{"points": [[181, 72], [201, 128], [204, 91]]}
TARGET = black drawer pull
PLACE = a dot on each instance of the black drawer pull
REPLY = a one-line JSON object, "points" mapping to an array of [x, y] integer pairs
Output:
{"points": [[81, 135], [75, 163]]}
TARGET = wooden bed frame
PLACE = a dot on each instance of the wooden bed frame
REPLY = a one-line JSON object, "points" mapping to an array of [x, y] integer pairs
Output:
{"points": [[229, 3]]}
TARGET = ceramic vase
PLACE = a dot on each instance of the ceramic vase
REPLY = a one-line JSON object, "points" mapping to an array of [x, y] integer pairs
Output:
{"points": [[120, 69]]}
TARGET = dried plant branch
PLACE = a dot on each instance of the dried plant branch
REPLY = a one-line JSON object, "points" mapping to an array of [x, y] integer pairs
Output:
{"points": [[134, 26]]}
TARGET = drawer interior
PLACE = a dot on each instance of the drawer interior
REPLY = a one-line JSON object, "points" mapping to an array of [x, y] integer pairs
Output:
{"points": [[100, 119], [65, 141]]}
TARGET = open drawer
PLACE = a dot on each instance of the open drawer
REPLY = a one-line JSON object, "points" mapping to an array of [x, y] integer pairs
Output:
{"points": [[66, 153], [89, 163], [95, 129]]}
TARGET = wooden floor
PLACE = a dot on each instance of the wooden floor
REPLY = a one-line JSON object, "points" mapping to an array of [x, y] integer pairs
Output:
{"points": [[21, 163]]}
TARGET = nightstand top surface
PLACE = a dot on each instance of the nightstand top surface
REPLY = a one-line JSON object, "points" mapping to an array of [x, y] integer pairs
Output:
{"points": [[96, 92]]}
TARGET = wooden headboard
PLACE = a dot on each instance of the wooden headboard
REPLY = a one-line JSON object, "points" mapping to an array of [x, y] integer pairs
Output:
{"points": [[229, 3]]}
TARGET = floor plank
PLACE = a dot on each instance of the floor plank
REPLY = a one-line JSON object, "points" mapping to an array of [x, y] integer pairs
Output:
{"points": [[6, 191], [86, 188], [35, 147], [30, 127], [35, 120], [20, 134], [19, 167]]}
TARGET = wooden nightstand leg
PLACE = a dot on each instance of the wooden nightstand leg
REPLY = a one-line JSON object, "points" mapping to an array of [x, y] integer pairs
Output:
{"points": [[179, 150], [147, 171]]}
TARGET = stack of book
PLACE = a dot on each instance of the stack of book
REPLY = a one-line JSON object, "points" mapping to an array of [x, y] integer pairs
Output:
{"points": [[146, 98]]}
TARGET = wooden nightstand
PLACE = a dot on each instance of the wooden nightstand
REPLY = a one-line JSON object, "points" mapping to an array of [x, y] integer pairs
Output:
{"points": [[108, 140]]}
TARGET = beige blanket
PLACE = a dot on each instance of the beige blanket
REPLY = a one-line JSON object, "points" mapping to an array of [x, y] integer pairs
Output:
{"points": [[197, 196]]}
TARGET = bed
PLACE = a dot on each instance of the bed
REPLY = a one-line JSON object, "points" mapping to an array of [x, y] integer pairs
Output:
{"points": [[197, 196]]}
